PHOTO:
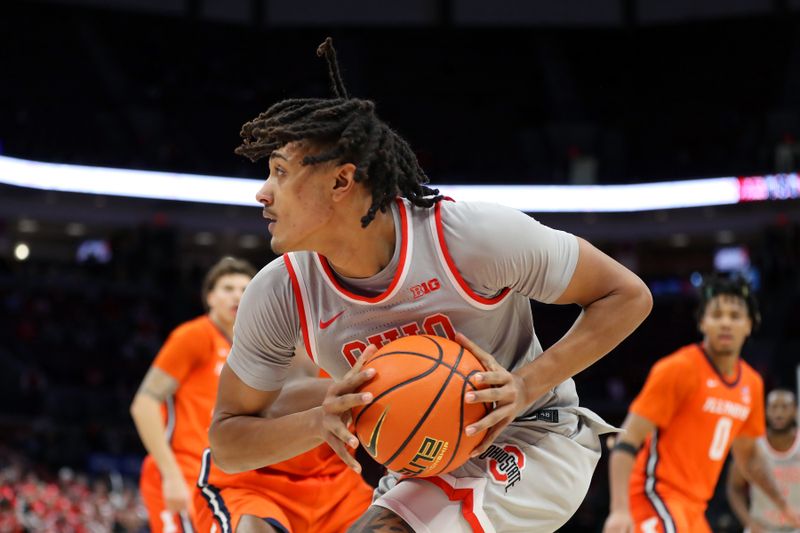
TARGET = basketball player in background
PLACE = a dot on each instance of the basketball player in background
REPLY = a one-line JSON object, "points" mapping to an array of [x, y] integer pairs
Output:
{"points": [[782, 450], [362, 235], [696, 404], [172, 408]]}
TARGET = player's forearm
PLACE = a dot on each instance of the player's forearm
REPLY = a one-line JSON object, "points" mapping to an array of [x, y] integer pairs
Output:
{"points": [[620, 466], [737, 499], [602, 325], [243, 442], [299, 395], [757, 472], [146, 414]]}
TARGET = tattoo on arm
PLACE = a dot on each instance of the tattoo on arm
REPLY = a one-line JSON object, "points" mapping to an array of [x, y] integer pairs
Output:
{"points": [[153, 394], [380, 520], [158, 385]]}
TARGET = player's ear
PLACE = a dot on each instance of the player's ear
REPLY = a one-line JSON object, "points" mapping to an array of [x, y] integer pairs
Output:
{"points": [[209, 301], [749, 326], [344, 180]]}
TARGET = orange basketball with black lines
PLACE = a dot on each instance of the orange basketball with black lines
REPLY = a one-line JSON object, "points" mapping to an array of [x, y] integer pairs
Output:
{"points": [[415, 423]]}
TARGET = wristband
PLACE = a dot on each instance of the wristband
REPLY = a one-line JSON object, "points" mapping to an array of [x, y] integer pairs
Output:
{"points": [[622, 446]]}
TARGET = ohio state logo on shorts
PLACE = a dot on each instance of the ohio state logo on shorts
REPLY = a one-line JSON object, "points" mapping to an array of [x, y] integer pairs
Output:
{"points": [[505, 464]]}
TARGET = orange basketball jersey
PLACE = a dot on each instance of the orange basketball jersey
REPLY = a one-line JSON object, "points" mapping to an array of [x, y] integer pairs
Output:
{"points": [[697, 413], [194, 355]]}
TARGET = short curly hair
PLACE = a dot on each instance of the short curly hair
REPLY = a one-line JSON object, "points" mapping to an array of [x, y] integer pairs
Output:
{"points": [[717, 284]]}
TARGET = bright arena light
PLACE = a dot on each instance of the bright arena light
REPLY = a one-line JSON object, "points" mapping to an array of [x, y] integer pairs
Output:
{"points": [[21, 251], [528, 198]]}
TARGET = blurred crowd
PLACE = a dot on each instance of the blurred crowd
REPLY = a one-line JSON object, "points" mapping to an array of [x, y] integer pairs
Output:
{"points": [[34, 499]]}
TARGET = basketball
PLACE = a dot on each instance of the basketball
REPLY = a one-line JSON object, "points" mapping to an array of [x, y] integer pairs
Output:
{"points": [[415, 423]]}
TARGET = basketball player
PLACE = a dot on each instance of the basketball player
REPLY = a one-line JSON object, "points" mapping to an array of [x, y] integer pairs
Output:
{"points": [[172, 408], [370, 254], [314, 492], [696, 404], [782, 449]]}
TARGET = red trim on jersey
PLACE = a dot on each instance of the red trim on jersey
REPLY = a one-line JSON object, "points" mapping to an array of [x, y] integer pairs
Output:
{"points": [[465, 496], [452, 265], [300, 307], [400, 266]]}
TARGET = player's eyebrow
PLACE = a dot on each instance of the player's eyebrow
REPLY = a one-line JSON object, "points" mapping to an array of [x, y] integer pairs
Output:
{"points": [[277, 155]]}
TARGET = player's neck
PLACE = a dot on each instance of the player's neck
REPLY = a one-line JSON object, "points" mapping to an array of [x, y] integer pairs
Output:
{"points": [[724, 362], [363, 252], [781, 441], [224, 327]]}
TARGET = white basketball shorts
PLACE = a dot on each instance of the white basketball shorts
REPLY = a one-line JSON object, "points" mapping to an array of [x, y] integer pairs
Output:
{"points": [[532, 480]]}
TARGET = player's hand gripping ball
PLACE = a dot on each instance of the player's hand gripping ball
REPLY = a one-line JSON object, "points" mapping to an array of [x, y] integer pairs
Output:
{"points": [[415, 423]]}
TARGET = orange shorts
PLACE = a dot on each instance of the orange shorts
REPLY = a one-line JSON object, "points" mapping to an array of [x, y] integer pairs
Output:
{"points": [[666, 512], [161, 520], [290, 503]]}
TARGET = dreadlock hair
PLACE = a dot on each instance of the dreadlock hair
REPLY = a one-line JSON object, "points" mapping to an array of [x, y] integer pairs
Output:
{"points": [[716, 285], [348, 130]]}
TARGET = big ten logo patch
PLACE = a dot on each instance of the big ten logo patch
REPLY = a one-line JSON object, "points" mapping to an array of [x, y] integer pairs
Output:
{"points": [[504, 464], [426, 287], [438, 325], [746, 395], [428, 455]]}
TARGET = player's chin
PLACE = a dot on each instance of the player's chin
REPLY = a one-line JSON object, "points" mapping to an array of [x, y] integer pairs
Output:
{"points": [[727, 344], [276, 246]]}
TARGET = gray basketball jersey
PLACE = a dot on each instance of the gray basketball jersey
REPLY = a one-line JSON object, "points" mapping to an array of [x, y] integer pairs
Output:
{"points": [[786, 469], [427, 295]]}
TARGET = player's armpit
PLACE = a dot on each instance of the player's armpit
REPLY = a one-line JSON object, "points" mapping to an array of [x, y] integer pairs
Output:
{"points": [[302, 367], [158, 385], [380, 520]]}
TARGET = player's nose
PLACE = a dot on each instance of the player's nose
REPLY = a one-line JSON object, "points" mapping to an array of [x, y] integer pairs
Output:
{"points": [[264, 195]]}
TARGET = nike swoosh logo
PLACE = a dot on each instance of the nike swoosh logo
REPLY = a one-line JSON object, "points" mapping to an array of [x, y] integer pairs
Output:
{"points": [[325, 323], [372, 446]]}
